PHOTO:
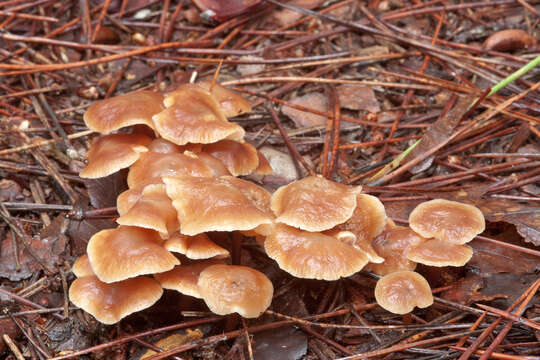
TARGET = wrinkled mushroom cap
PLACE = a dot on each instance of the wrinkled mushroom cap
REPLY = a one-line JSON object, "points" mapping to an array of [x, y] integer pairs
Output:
{"points": [[401, 291], [440, 253], [126, 252], [228, 288], [195, 247], [109, 303], [231, 103], [148, 207], [217, 204], [447, 220], [124, 110], [239, 158], [314, 203], [81, 267], [197, 118], [111, 153], [183, 278], [311, 255]]}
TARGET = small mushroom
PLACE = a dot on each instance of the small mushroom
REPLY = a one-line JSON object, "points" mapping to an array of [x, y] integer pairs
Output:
{"points": [[120, 111], [109, 303], [399, 292], [447, 220], [440, 253], [230, 288], [217, 204], [111, 153], [81, 267], [195, 247], [239, 158], [127, 252], [314, 203], [312, 255]]}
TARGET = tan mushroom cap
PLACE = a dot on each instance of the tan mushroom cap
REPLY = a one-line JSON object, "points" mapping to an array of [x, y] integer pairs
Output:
{"points": [[81, 267], [148, 207], [197, 118], [183, 278], [163, 146], [124, 110], [151, 167], [111, 153], [195, 247], [314, 203], [231, 103], [109, 303], [393, 244], [440, 253], [313, 255], [239, 158], [350, 238], [126, 252], [217, 167], [264, 167], [401, 291], [217, 204], [228, 288], [447, 220]]}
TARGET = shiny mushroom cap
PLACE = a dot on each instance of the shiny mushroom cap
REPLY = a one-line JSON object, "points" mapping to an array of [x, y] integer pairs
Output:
{"points": [[183, 278], [401, 291], [447, 220], [126, 252], [311, 255], [228, 288], [239, 158], [264, 167], [217, 204], [148, 207], [195, 247], [314, 203], [231, 103], [163, 146], [195, 118], [111, 153], [120, 111], [109, 303], [81, 267], [440, 253]]}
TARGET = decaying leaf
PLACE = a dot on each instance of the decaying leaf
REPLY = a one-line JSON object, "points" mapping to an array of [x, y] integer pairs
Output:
{"points": [[355, 97], [315, 101], [175, 340]]}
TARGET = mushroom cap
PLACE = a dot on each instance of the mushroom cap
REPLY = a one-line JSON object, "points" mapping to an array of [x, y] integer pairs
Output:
{"points": [[217, 204], [401, 291], [447, 220], [231, 103], [111, 153], [163, 146], [217, 167], [124, 110], [264, 167], [440, 253], [314, 203], [197, 118], [81, 267], [229, 288], [151, 167], [126, 252], [148, 207], [109, 303], [239, 158], [195, 247], [350, 238], [393, 244], [183, 278], [313, 255]]}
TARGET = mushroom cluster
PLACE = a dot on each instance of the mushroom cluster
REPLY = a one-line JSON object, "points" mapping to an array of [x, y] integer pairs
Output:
{"points": [[182, 184]]}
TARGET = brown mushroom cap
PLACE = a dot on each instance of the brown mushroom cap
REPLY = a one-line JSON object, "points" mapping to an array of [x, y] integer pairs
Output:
{"points": [[124, 110], [151, 167], [401, 291], [163, 146], [217, 204], [217, 167], [111, 153], [313, 255], [228, 288], [126, 252], [440, 253], [393, 244], [447, 220], [109, 303], [195, 247], [183, 278], [350, 238], [239, 158], [231, 103], [314, 203], [81, 267], [197, 118], [264, 167], [148, 207]]}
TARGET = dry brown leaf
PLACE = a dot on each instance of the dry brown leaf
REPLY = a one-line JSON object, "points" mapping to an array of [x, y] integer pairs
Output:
{"points": [[315, 101]]}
